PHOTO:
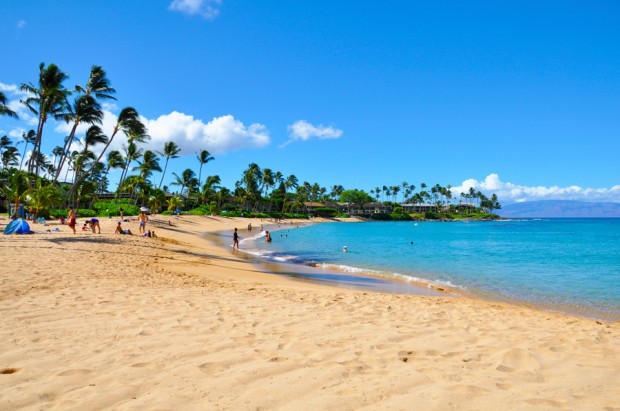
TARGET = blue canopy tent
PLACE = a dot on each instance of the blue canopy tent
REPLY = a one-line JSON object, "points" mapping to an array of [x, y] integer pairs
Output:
{"points": [[19, 226]]}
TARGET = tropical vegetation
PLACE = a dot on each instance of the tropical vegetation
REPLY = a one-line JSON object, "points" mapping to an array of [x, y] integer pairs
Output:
{"points": [[77, 170]]}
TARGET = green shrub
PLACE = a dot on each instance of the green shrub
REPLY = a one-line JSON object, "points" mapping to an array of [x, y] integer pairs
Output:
{"points": [[85, 212], [214, 208], [58, 213], [390, 217], [202, 210], [326, 212]]}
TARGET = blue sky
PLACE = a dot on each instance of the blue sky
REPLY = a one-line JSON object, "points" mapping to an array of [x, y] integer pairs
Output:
{"points": [[518, 98]]}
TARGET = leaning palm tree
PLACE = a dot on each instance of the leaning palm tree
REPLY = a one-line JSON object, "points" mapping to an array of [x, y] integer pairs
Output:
{"points": [[203, 158], [115, 160], [128, 122], [47, 99], [132, 153], [29, 138], [57, 151], [171, 150], [4, 109], [149, 163], [85, 110], [94, 135], [98, 84]]}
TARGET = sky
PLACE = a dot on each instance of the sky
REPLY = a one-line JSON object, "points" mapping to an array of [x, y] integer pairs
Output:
{"points": [[521, 99]]}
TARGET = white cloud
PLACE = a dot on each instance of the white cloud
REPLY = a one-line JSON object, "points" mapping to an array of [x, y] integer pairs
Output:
{"points": [[514, 193], [12, 88], [21, 24], [302, 130], [13, 94], [207, 9], [220, 135]]}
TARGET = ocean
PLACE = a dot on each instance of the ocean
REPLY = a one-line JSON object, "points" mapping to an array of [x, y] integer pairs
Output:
{"points": [[566, 265]]}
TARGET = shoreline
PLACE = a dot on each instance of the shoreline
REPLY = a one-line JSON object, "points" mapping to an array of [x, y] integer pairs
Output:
{"points": [[417, 285], [104, 321], [298, 271]]}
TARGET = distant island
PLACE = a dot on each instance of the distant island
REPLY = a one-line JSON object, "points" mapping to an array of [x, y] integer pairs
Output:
{"points": [[561, 209]]}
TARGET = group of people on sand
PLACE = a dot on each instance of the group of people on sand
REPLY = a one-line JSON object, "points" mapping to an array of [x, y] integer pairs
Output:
{"points": [[93, 224]]}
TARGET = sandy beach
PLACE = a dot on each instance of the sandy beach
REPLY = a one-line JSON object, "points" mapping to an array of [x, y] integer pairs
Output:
{"points": [[104, 321]]}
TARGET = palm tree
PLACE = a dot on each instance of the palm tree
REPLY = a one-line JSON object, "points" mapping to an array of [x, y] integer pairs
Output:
{"points": [[208, 189], [57, 151], [170, 151], [404, 185], [157, 199], [173, 203], [17, 183], [98, 84], [42, 197], [85, 108], [4, 109], [251, 183], [115, 160], [149, 163], [187, 179], [203, 158], [335, 191], [5, 143], [132, 153], [94, 135], [29, 137], [290, 182], [9, 157], [128, 122], [48, 98], [377, 192]]}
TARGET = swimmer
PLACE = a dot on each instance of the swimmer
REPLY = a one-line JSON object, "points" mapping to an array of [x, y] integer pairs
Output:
{"points": [[344, 249]]}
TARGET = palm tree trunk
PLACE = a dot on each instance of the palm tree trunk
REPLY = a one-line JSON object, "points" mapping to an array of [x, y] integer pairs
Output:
{"points": [[163, 175], [65, 151]]}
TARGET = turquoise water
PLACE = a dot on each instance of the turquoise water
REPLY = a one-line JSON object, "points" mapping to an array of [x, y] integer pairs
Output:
{"points": [[570, 265]]}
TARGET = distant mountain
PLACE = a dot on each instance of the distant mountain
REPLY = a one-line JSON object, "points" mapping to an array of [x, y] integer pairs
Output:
{"points": [[560, 209]]}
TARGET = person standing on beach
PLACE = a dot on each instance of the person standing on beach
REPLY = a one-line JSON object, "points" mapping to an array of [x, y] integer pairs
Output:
{"points": [[72, 219], [235, 239], [120, 211], [94, 223], [142, 219]]}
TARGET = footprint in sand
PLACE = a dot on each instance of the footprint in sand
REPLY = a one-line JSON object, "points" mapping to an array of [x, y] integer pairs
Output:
{"points": [[405, 356], [518, 359], [212, 367], [469, 389], [543, 402], [70, 373]]}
